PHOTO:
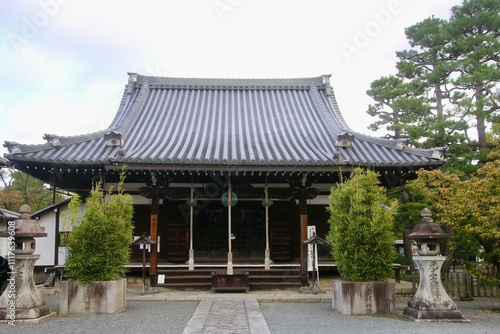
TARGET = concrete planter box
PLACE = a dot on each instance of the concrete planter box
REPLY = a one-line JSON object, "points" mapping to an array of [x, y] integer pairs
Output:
{"points": [[96, 297], [363, 298]]}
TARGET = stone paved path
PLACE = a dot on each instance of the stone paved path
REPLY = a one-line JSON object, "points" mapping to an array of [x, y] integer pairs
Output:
{"points": [[227, 316]]}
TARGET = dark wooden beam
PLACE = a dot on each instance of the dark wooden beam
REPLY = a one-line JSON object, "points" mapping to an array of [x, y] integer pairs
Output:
{"points": [[153, 234], [304, 277]]}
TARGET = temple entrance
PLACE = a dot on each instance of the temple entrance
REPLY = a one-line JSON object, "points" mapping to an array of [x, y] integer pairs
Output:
{"points": [[210, 233]]}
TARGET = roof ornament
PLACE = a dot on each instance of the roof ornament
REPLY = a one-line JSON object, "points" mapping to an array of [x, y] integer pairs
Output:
{"points": [[13, 147], [118, 156], [438, 153], [113, 139], [132, 79], [326, 81], [345, 140], [401, 144], [52, 139]]}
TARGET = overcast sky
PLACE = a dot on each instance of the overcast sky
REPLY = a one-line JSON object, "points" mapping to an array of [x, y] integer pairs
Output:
{"points": [[64, 63]]}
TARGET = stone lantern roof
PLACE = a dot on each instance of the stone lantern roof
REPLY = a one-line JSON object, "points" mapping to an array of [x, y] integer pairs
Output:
{"points": [[25, 226], [427, 229]]}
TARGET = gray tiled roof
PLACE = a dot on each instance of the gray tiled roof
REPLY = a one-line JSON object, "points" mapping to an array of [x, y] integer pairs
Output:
{"points": [[4, 162], [7, 214], [231, 122]]}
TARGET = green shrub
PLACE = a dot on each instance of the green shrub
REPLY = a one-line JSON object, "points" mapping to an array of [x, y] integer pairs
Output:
{"points": [[361, 221], [99, 243], [398, 258]]}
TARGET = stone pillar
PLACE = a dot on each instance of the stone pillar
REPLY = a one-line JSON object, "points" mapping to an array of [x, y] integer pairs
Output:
{"points": [[21, 300], [431, 302]]}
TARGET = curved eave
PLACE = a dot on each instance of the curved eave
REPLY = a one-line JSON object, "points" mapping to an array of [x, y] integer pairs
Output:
{"points": [[89, 152], [367, 154]]}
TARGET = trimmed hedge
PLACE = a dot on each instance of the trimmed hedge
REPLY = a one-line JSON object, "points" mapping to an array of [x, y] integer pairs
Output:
{"points": [[361, 221], [99, 243]]}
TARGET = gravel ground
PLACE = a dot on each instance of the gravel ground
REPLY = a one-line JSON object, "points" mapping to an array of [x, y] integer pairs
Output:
{"points": [[320, 318], [140, 317], [286, 318]]}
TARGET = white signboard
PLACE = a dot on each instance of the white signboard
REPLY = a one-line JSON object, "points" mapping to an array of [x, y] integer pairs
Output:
{"points": [[312, 249]]}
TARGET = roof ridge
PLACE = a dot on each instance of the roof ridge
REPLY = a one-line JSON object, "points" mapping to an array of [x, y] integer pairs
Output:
{"points": [[236, 83], [229, 78], [337, 111], [135, 110]]}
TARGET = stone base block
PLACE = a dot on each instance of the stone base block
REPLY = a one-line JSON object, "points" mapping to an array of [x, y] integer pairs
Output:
{"points": [[414, 314], [364, 298], [94, 298], [25, 313], [30, 321]]}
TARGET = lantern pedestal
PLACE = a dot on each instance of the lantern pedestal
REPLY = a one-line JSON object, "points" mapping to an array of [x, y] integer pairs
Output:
{"points": [[431, 301], [29, 303], [21, 301]]}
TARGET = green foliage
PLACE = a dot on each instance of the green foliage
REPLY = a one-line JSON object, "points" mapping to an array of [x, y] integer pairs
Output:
{"points": [[410, 207], [361, 222], [398, 258], [483, 271], [408, 214], [99, 243], [474, 29], [18, 188], [469, 206], [442, 94], [397, 105]]}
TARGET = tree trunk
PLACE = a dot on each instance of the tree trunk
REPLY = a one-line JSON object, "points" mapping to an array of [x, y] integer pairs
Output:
{"points": [[408, 250], [480, 119], [439, 114]]}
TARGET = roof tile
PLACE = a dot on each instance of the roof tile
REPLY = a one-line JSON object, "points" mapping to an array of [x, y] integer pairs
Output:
{"points": [[237, 122]]}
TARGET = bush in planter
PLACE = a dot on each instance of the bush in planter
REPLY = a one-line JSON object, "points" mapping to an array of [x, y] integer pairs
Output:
{"points": [[361, 222], [99, 243]]}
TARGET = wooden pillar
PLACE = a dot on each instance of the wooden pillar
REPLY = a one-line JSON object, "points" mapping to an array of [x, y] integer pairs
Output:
{"points": [[230, 239], [267, 259], [153, 232], [304, 277], [191, 207], [57, 242]]}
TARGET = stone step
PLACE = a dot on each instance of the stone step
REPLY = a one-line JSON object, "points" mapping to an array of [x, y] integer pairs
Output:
{"points": [[257, 277]]}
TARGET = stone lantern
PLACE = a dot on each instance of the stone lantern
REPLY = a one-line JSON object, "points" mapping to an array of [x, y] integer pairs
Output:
{"points": [[21, 300], [431, 301]]}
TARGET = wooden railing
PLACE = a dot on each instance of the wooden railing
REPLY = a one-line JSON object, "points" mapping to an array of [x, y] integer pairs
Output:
{"points": [[461, 284]]}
